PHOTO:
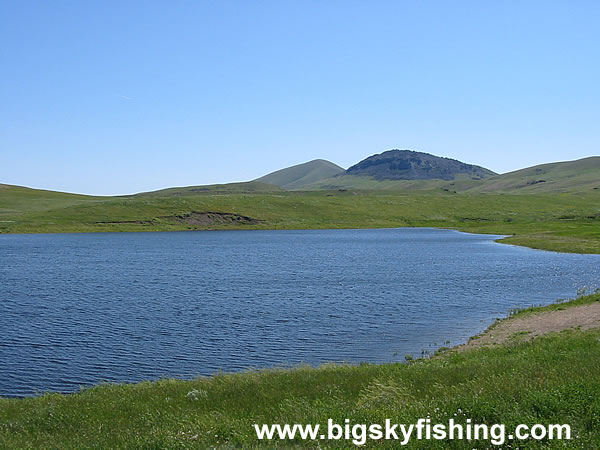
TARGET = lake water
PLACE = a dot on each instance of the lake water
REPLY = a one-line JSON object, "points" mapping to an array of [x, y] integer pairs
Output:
{"points": [[78, 309]]}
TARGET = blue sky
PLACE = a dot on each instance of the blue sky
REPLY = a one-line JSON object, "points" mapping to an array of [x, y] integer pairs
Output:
{"points": [[115, 97]]}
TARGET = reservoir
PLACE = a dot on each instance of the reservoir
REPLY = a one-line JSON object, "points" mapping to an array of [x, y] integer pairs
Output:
{"points": [[80, 309]]}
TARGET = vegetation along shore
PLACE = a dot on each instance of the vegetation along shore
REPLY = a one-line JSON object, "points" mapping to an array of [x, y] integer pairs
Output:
{"points": [[568, 222]]}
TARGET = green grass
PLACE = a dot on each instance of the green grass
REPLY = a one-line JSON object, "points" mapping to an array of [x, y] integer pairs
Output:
{"points": [[559, 305], [301, 175], [561, 222], [570, 176], [552, 379], [245, 187]]}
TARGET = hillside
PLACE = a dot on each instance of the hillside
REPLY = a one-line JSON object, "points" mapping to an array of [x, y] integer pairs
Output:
{"points": [[247, 187], [567, 222], [16, 201], [569, 176], [523, 204], [301, 175], [368, 183], [411, 165]]}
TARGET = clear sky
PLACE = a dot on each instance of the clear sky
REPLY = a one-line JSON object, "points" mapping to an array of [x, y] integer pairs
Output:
{"points": [[115, 97]]}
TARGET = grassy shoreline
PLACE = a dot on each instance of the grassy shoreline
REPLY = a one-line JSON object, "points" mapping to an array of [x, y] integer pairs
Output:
{"points": [[537, 241], [519, 382], [558, 222]]}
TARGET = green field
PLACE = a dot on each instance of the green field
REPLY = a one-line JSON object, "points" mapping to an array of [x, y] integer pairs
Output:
{"points": [[552, 379], [554, 221]]}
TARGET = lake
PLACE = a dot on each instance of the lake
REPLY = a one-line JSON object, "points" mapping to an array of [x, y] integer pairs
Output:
{"points": [[79, 309]]}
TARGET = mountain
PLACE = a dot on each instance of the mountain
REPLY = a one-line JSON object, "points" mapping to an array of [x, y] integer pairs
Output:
{"points": [[411, 165], [300, 175], [567, 176]]}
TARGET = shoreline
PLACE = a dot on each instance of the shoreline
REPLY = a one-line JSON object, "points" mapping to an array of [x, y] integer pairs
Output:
{"points": [[579, 313], [505, 239], [555, 222], [518, 381]]}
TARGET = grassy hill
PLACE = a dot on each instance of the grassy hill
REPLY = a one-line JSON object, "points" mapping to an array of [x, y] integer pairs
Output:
{"points": [[16, 201], [569, 176], [301, 175], [243, 187], [369, 183], [552, 206], [565, 222]]}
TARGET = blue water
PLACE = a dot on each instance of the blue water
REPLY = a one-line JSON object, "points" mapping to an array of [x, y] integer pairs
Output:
{"points": [[78, 309]]}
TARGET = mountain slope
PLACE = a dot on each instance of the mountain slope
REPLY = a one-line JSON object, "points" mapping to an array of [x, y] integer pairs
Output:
{"points": [[15, 200], [568, 176], [360, 182], [300, 175], [411, 165]]}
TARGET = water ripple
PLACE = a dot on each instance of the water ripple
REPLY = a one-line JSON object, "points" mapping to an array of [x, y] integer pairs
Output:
{"points": [[79, 309]]}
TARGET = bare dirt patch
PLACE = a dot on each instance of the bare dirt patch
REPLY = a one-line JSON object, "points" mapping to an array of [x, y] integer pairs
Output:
{"points": [[210, 218], [528, 327], [139, 222], [194, 218]]}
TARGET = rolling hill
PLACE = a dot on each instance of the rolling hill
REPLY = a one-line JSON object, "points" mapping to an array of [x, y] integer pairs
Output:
{"points": [[523, 204], [246, 187], [301, 175], [383, 172], [568, 176]]}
